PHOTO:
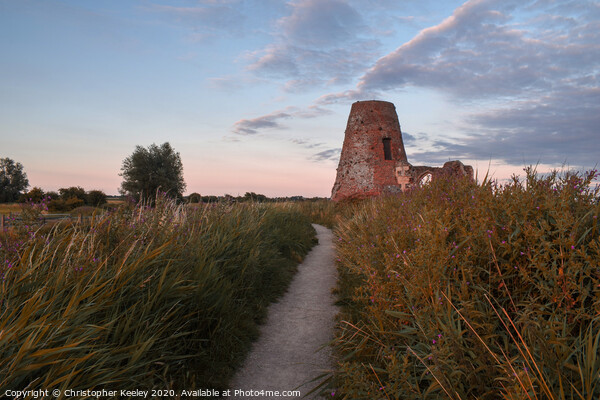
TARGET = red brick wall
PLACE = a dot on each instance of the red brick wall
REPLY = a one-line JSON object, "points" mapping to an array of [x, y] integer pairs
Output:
{"points": [[363, 169]]}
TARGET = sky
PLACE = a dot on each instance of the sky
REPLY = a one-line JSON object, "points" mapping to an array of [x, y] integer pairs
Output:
{"points": [[255, 94]]}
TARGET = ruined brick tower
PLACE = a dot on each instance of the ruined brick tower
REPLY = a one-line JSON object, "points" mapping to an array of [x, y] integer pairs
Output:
{"points": [[372, 148], [373, 159]]}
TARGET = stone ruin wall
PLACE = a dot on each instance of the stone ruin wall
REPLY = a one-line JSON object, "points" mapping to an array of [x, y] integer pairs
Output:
{"points": [[369, 166]]}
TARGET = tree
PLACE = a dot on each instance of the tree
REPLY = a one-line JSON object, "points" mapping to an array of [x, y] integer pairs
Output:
{"points": [[96, 198], [194, 198], [210, 199], [13, 180], [76, 192], [35, 195], [52, 195], [251, 196], [148, 170]]}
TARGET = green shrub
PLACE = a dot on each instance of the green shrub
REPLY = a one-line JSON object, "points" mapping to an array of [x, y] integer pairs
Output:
{"points": [[35, 195], [73, 202], [52, 195], [194, 198], [72, 192], [60, 205], [466, 291], [57, 205], [95, 198]]}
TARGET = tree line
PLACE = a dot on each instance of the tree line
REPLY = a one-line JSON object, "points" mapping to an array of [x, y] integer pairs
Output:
{"points": [[146, 173], [66, 199], [247, 197]]}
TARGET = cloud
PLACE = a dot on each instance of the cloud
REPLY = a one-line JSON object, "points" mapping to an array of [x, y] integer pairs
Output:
{"points": [[252, 126], [321, 42], [218, 1], [528, 69], [554, 129], [408, 138], [345, 96], [307, 144], [232, 83], [321, 23], [312, 111], [523, 76], [558, 128], [272, 120], [209, 19], [225, 83], [483, 50], [325, 155]]}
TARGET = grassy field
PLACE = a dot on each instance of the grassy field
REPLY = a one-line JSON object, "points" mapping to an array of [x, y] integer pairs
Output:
{"points": [[449, 291], [464, 291], [12, 208], [9, 208], [166, 297]]}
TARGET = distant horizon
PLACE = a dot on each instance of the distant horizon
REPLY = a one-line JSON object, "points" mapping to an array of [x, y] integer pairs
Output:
{"points": [[478, 176], [255, 94]]}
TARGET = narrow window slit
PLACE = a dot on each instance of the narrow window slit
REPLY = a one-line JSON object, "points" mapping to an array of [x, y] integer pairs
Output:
{"points": [[387, 148]]}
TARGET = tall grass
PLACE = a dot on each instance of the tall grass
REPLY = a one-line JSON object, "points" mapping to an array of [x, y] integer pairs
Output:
{"points": [[323, 212], [9, 208], [465, 291], [141, 297]]}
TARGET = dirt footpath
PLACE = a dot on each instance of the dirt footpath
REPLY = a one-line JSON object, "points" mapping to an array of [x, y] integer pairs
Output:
{"points": [[292, 347]]}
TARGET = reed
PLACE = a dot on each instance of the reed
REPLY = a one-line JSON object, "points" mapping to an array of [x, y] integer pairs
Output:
{"points": [[464, 291], [142, 297]]}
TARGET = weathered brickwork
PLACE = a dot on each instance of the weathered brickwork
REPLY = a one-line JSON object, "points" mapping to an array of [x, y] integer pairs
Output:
{"points": [[373, 159]]}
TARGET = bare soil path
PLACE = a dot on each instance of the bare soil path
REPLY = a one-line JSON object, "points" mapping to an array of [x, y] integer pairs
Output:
{"points": [[292, 347]]}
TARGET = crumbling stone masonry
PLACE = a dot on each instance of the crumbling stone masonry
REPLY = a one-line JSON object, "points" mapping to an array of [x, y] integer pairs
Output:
{"points": [[373, 159]]}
